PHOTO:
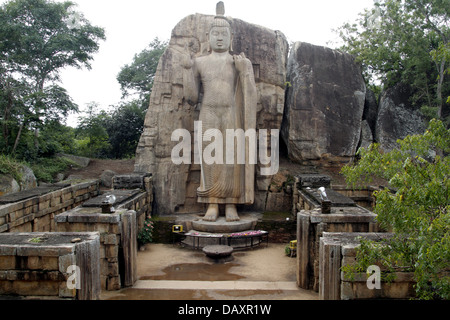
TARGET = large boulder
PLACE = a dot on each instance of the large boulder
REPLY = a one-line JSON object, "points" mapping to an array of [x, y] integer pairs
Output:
{"points": [[324, 107], [28, 180], [175, 185], [397, 118], [8, 184]]}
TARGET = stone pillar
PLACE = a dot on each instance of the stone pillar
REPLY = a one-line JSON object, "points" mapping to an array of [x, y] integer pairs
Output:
{"points": [[88, 260], [329, 271], [129, 247]]}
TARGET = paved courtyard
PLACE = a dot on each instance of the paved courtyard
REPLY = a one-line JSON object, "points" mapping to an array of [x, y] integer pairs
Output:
{"points": [[168, 272]]}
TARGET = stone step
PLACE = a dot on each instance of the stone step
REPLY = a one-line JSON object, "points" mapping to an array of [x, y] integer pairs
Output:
{"points": [[215, 285]]}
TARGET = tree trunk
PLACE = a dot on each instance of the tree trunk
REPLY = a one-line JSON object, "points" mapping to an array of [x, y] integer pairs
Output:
{"points": [[441, 70], [17, 138], [6, 115]]}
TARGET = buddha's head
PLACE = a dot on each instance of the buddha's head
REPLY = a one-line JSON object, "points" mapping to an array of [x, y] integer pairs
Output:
{"points": [[220, 35]]}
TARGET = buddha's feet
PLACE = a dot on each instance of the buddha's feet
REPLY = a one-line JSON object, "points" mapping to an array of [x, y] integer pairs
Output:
{"points": [[231, 213], [212, 213]]}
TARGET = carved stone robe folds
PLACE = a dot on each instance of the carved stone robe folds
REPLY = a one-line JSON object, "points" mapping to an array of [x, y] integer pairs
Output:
{"points": [[228, 102]]}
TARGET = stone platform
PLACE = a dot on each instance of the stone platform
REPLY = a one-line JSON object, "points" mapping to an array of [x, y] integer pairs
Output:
{"points": [[237, 234], [221, 225], [248, 221]]}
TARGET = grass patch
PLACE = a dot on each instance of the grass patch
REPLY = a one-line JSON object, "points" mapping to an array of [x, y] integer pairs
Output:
{"points": [[46, 169], [12, 166], [274, 215]]}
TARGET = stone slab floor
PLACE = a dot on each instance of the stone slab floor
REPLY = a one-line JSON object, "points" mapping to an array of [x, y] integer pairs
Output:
{"points": [[170, 272]]}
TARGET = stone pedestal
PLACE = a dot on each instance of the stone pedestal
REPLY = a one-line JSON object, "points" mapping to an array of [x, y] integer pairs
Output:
{"points": [[247, 222], [220, 253]]}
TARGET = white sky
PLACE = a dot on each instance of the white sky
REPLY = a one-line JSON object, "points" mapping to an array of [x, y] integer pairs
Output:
{"points": [[131, 25]]}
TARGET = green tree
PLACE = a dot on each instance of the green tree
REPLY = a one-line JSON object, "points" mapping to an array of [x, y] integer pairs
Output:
{"points": [[416, 207], [124, 127], [38, 38], [91, 135], [394, 41], [138, 76]]}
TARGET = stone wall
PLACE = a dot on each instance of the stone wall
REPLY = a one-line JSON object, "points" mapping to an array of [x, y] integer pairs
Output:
{"points": [[143, 202], [311, 224], [36, 213], [39, 265], [363, 197], [118, 242], [339, 249]]}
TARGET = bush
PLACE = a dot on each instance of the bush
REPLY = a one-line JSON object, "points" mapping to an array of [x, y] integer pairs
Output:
{"points": [[418, 211], [9, 165], [145, 235], [46, 169]]}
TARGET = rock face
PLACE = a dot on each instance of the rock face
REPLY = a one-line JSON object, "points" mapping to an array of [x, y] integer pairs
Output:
{"points": [[175, 185], [10, 185], [396, 117], [325, 104]]}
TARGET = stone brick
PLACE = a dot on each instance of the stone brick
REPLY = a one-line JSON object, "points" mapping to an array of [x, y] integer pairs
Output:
{"points": [[7, 250], [4, 228], [49, 263], [55, 201], [36, 288], [67, 196], [16, 215], [113, 283], [20, 226], [111, 251], [114, 228], [33, 262], [111, 239], [65, 262], [7, 262], [6, 287], [65, 292], [113, 269]]}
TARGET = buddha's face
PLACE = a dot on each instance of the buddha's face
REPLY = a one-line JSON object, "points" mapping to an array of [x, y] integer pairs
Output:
{"points": [[220, 39]]}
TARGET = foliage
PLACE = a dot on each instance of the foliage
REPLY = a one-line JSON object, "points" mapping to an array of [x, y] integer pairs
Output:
{"points": [[91, 135], [46, 169], [145, 235], [9, 165], [38, 38], [399, 41], [415, 207], [124, 127], [139, 75]]}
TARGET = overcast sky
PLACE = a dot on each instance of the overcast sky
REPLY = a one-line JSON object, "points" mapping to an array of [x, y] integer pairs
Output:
{"points": [[131, 25]]}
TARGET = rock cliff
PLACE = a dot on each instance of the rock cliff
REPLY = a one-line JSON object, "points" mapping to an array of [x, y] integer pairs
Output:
{"points": [[325, 104], [175, 185]]}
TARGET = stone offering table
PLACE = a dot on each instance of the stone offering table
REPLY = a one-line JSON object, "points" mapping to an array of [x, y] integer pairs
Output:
{"points": [[241, 240], [218, 251], [53, 265]]}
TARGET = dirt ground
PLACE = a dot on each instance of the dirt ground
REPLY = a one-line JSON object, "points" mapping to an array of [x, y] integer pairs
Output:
{"points": [[97, 166]]}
